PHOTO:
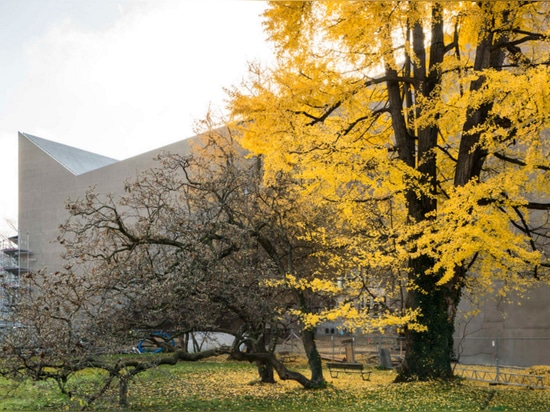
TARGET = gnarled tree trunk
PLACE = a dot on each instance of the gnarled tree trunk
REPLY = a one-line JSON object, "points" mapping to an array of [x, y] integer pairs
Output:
{"points": [[313, 357], [429, 354]]}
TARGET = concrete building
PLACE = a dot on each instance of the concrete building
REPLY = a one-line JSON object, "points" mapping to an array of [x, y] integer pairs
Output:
{"points": [[514, 333], [50, 173]]}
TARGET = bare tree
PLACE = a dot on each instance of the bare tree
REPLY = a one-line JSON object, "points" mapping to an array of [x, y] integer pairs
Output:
{"points": [[190, 245]]}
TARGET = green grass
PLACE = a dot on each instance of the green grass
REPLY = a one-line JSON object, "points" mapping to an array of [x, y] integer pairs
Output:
{"points": [[232, 386]]}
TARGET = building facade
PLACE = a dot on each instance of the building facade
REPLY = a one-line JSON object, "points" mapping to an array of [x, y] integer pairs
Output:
{"points": [[50, 173]]}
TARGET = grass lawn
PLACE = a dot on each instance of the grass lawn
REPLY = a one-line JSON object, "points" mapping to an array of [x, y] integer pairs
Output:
{"points": [[232, 386]]}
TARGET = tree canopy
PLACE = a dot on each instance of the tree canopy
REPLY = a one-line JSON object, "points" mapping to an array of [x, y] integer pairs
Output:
{"points": [[196, 243], [424, 126], [397, 153]]}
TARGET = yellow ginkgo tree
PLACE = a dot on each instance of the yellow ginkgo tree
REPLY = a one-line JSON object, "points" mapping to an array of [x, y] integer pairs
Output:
{"points": [[423, 126]]}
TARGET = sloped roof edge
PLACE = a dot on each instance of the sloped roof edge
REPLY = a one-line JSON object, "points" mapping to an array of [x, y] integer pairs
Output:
{"points": [[77, 161]]}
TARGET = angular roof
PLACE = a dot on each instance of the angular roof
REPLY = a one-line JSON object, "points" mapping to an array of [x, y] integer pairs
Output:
{"points": [[75, 160]]}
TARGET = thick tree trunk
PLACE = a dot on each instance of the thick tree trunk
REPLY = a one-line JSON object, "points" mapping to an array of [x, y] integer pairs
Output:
{"points": [[265, 369], [266, 372], [429, 354]]}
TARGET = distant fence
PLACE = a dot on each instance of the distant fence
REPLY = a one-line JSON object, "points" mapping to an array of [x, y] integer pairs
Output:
{"points": [[349, 347], [510, 361], [504, 376], [517, 361]]}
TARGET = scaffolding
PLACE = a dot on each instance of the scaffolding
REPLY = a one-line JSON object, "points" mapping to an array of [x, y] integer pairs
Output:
{"points": [[14, 262]]}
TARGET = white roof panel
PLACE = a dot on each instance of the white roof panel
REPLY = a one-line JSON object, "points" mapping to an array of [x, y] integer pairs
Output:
{"points": [[77, 161]]}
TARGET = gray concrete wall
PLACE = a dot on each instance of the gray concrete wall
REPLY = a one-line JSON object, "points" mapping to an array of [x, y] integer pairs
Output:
{"points": [[45, 186], [507, 333], [515, 333]]}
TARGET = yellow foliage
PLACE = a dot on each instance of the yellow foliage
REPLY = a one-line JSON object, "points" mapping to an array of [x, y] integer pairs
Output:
{"points": [[323, 116], [316, 285]]}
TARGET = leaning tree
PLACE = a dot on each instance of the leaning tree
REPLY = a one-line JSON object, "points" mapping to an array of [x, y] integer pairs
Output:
{"points": [[196, 243], [165, 255]]}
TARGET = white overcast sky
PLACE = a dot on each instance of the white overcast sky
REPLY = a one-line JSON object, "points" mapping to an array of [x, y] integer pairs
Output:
{"points": [[116, 77]]}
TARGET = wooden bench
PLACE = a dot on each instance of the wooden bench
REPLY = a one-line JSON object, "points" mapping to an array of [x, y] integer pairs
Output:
{"points": [[285, 356], [348, 367]]}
